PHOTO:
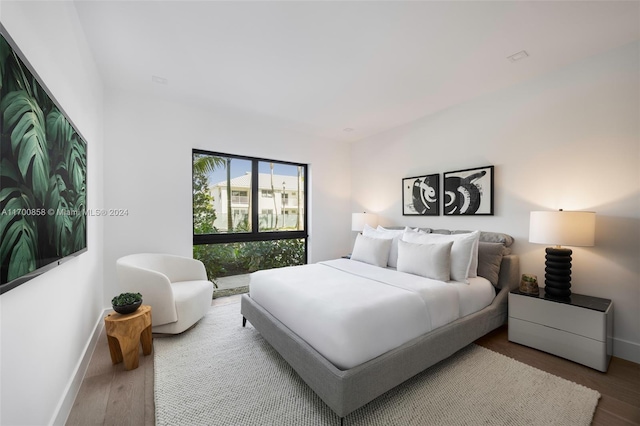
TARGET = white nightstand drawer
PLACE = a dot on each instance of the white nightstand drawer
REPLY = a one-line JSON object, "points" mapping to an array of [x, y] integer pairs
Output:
{"points": [[589, 352], [572, 319], [578, 328]]}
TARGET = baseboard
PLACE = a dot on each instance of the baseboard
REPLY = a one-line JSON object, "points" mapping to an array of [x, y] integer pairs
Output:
{"points": [[626, 350], [73, 387]]}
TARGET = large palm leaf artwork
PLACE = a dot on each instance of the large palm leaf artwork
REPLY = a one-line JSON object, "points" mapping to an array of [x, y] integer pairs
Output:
{"points": [[42, 175]]}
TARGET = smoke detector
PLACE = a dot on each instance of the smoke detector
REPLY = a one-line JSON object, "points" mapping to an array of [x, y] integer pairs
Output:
{"points": [[518, 56]]}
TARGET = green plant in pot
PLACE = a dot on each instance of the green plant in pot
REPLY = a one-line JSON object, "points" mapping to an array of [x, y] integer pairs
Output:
{"points": [[529, 284], [126, 303]]}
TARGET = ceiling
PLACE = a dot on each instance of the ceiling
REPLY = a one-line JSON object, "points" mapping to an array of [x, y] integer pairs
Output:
{"points": [[323, 67]]}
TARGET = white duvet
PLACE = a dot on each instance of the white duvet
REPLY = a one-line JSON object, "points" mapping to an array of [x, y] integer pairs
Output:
{"points": [[351, 312]]}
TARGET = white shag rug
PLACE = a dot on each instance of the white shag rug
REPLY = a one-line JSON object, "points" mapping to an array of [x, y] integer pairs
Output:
{"points": [[219, 373]]}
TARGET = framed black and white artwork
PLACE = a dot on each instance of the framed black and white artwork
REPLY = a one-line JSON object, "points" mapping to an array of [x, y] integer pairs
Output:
{"points": [[421, 195], [469, 192]]}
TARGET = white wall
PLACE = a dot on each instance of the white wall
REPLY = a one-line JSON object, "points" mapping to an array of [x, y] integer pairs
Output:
{"points": [[570, 139], [148, 145], [47, 322]]}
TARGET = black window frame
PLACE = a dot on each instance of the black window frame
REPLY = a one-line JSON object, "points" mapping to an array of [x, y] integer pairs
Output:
{"points": [[255, 234]]}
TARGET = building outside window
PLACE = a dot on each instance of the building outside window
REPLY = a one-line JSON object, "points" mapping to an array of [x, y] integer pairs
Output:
{"points": [[286, 195]]}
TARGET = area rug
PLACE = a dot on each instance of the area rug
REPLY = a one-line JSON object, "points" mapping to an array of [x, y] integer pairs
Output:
{"points": [[219, 373]]}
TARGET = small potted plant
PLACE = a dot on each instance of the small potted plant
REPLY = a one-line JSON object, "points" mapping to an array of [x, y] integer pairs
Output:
{"points": [[529, 284], [126, 303]]}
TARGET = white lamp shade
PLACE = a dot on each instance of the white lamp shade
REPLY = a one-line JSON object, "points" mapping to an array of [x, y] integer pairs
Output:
{"points": [[563, 228], [358, 220]]}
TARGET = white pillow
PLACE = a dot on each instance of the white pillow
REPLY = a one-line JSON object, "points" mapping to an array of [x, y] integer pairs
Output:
{"points": [[371, 250], [394, 234], [462, 251], [427, 260], [473, 268]]}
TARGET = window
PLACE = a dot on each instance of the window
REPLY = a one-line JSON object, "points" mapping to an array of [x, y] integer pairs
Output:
{"points": [[248, 213], [283, 180], [239, 197], [221, 188]]}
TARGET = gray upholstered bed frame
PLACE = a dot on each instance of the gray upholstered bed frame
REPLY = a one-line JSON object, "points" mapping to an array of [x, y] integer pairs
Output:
{"points": [[345, 391]]}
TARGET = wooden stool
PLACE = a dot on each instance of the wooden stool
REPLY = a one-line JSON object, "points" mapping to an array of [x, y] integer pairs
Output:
{"points": [[126, 332]]}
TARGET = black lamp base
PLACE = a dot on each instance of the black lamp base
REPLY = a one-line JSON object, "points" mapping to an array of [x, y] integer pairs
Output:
{"points": [[557, 277]]}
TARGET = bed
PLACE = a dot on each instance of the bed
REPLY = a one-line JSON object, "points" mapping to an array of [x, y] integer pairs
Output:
{"points": [[383, 350]]}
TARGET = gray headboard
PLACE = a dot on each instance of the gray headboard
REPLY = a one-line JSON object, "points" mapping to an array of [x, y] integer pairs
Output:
{"points": [[487, 237]]}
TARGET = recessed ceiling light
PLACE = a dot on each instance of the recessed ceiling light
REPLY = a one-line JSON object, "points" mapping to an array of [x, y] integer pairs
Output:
{"points": [[518, 56], [159, 80], [347, 129]]}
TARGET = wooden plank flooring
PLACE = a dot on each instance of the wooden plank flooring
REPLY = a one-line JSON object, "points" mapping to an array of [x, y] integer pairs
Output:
{"points": [[619, 386], [110, 395]]}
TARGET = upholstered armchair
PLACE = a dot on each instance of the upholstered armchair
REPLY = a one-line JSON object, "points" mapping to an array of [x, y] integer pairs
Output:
{"points": [[176, 287]]}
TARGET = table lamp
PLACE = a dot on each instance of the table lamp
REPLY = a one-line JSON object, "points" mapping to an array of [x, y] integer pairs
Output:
{"points": [[359, 220], [561, 228]]}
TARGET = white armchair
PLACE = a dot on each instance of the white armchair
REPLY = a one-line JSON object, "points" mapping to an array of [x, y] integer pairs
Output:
{"points": [[176, 287]]}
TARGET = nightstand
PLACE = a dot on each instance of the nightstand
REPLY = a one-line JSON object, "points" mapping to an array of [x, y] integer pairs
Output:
{"points": [[579, 329]]}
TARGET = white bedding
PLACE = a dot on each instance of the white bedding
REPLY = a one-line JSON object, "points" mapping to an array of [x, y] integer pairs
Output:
{"points": [[352, 312], [476, 295]]}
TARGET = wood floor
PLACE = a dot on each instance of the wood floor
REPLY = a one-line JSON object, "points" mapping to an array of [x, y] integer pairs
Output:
{"points": [[109, 395], [619, 387]]}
